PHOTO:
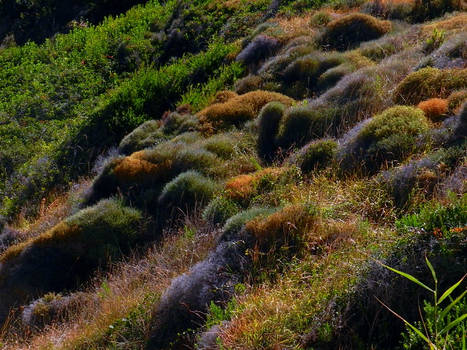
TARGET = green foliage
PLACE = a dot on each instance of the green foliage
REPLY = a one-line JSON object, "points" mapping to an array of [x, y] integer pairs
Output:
{"points": [[146, 135], [435, 217], [269, 121], [317, 155], [389, 137], [218, 314], [435, 40], [303, 123], [220, 209], [186, 191]]}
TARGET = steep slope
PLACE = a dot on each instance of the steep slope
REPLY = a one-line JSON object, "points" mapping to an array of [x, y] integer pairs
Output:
{"points": [[253, 164]]}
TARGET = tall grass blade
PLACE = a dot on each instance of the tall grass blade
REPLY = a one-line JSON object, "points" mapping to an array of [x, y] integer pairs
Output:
{"points": [[450, 290], [431, 269], [450, 306], [453, 324], [409, 277]]}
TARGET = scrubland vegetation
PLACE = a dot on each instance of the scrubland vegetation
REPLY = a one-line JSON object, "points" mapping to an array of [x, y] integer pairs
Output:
{"points": [[233, 174]]}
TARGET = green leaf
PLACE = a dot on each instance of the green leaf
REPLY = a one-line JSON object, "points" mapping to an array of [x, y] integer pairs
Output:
{"points": [[409, 277], [450, 290], [453, 323], [450, 306], [431, 269]]}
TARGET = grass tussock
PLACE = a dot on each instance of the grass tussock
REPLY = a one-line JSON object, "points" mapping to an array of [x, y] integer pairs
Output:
{"points": [[239, 110], [429, 83], [435, 109], [348, 31]]}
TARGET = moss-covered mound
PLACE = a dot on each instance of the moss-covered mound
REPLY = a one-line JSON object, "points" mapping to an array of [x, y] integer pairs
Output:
{"points": [[387, 138], [66, 255]]}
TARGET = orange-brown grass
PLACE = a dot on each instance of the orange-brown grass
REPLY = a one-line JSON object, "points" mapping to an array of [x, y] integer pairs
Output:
{"points": [[435, 109], [239, 109], [137, 282], [135, 168], [244, 186], [224, 96], [453, 24]]}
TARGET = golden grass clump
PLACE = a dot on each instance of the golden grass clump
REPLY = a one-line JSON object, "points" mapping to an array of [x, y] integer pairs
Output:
{"points": [[283, 225], [239, 109], [243, 187], [453, 24], [224, 96], [429, 83], [435, 109], [136, 169]]}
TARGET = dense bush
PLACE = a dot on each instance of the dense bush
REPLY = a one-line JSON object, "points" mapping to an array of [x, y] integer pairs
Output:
{"points": [[387, 138], [66, 255], [456, 100], [316, 155], [429, 83], [185, 304], [269, 121], [351, 30], [248, 84], [186, 191], [240, 109]]}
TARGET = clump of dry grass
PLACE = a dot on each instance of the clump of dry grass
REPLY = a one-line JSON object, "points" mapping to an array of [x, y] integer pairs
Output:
{"points": [[243, 187], [240, 109], [435, 109]]}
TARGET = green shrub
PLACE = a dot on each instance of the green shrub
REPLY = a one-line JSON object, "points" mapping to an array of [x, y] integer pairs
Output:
{"points": [[222, 145], [387, 138], [331, 76], [269, 121], [219, 210], [316, 155], [146, 135], [351, 30], [186, 191], [303, 123], [429, 83]]}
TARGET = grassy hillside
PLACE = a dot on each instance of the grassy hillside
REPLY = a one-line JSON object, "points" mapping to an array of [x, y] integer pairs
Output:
{"points": [[234, 175]]}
